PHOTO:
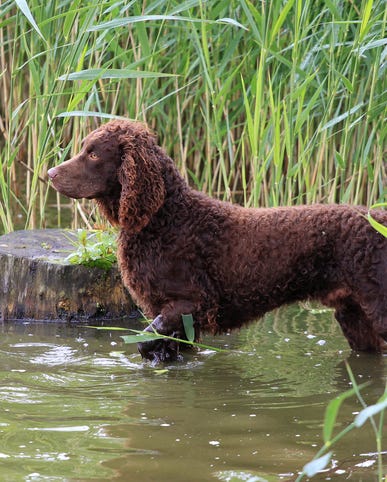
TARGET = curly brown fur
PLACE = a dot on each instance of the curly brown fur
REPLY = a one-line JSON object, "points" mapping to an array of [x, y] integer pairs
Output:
{"points": [[183, 252]]}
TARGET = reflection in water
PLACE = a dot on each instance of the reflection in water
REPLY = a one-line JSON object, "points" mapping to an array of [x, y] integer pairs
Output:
{"points": [[78, 405]]}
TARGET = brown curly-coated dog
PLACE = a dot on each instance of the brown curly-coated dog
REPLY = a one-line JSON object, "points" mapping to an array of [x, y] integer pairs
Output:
{"points": [[182, 252]]}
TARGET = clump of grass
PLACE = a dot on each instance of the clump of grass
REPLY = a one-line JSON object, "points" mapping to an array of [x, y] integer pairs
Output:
{"points": [[95, 249], [262, 103]]}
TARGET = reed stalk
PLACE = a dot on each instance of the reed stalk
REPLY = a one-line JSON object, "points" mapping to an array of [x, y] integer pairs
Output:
{"points": [[263, 103]]}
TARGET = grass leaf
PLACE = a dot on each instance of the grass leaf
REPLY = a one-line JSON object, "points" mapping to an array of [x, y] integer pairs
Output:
{"points": [[95, 74], [342, 117], [141, 337], [189, 329], [251, 98], [331, 413], [313, 467], [365, 18], [281, 18], [371, 410], [378, 226], [85, 113], [107, 328], [22, 4]]}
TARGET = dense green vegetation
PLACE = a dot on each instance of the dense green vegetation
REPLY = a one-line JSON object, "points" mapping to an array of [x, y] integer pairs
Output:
{"points": [[263, 103]]}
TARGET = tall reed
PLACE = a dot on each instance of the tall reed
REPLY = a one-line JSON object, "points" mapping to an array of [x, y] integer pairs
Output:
{"points": [[264, 103]]}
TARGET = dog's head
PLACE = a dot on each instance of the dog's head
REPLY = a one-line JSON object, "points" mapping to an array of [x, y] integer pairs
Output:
{"points": [[119, 166]]}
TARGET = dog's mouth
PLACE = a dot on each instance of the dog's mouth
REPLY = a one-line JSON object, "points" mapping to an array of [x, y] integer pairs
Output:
{"points": [[63, 190], [64, 186]]}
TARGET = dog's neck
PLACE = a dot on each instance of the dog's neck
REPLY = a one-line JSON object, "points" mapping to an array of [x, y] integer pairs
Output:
{"points": [[109, 207], [175, 184]]}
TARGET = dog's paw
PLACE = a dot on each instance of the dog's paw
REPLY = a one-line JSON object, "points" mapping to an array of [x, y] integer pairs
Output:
{"points": [[160, 351]]}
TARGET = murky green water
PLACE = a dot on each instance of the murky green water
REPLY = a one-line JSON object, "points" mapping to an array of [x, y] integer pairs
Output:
{"points": [[77, 405]]}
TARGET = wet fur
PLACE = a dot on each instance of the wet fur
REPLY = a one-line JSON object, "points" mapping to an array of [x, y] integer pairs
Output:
{"points": [[181, 251]]}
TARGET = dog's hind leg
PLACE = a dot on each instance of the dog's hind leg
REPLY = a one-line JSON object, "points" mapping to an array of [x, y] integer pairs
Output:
{"points": [[358, 327]]}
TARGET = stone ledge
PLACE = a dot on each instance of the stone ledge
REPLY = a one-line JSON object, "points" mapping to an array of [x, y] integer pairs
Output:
{"points": [[37, 283]]}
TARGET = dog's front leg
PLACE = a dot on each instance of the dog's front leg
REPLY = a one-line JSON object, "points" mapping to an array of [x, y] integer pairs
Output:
{"points": [[168, 323], [161, 350]]}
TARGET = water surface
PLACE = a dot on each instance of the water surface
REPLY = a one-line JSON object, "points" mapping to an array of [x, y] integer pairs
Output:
{"points": [[78, 405]]}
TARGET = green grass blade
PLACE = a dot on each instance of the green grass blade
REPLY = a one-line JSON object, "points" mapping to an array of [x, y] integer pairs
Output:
{"points": [[364, 26], [280, 20], [331, 413], [95, 74], [189, 329], [371, 410], [141, 338], [313, 467], [377, 226], [120, 22], [85, 113], [22, 4]]}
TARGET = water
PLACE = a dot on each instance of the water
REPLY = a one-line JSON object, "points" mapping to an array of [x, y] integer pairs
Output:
{"points": [[78, 405]]}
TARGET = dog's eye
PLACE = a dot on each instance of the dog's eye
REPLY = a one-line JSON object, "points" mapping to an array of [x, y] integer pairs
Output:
{"points": [[93, 156]]}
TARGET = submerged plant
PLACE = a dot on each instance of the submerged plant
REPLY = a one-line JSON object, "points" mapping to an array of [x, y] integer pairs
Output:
{"points": [[96, 249]]}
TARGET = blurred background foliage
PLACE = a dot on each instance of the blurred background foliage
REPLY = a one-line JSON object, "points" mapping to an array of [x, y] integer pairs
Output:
{"points": [[261, 103]]}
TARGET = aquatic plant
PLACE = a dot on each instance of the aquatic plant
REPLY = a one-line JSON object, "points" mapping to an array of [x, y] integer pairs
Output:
{"points": [[95, 249]]}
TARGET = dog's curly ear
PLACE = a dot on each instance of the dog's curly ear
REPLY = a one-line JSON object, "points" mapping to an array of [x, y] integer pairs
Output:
{"points": [[142, 184]]}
